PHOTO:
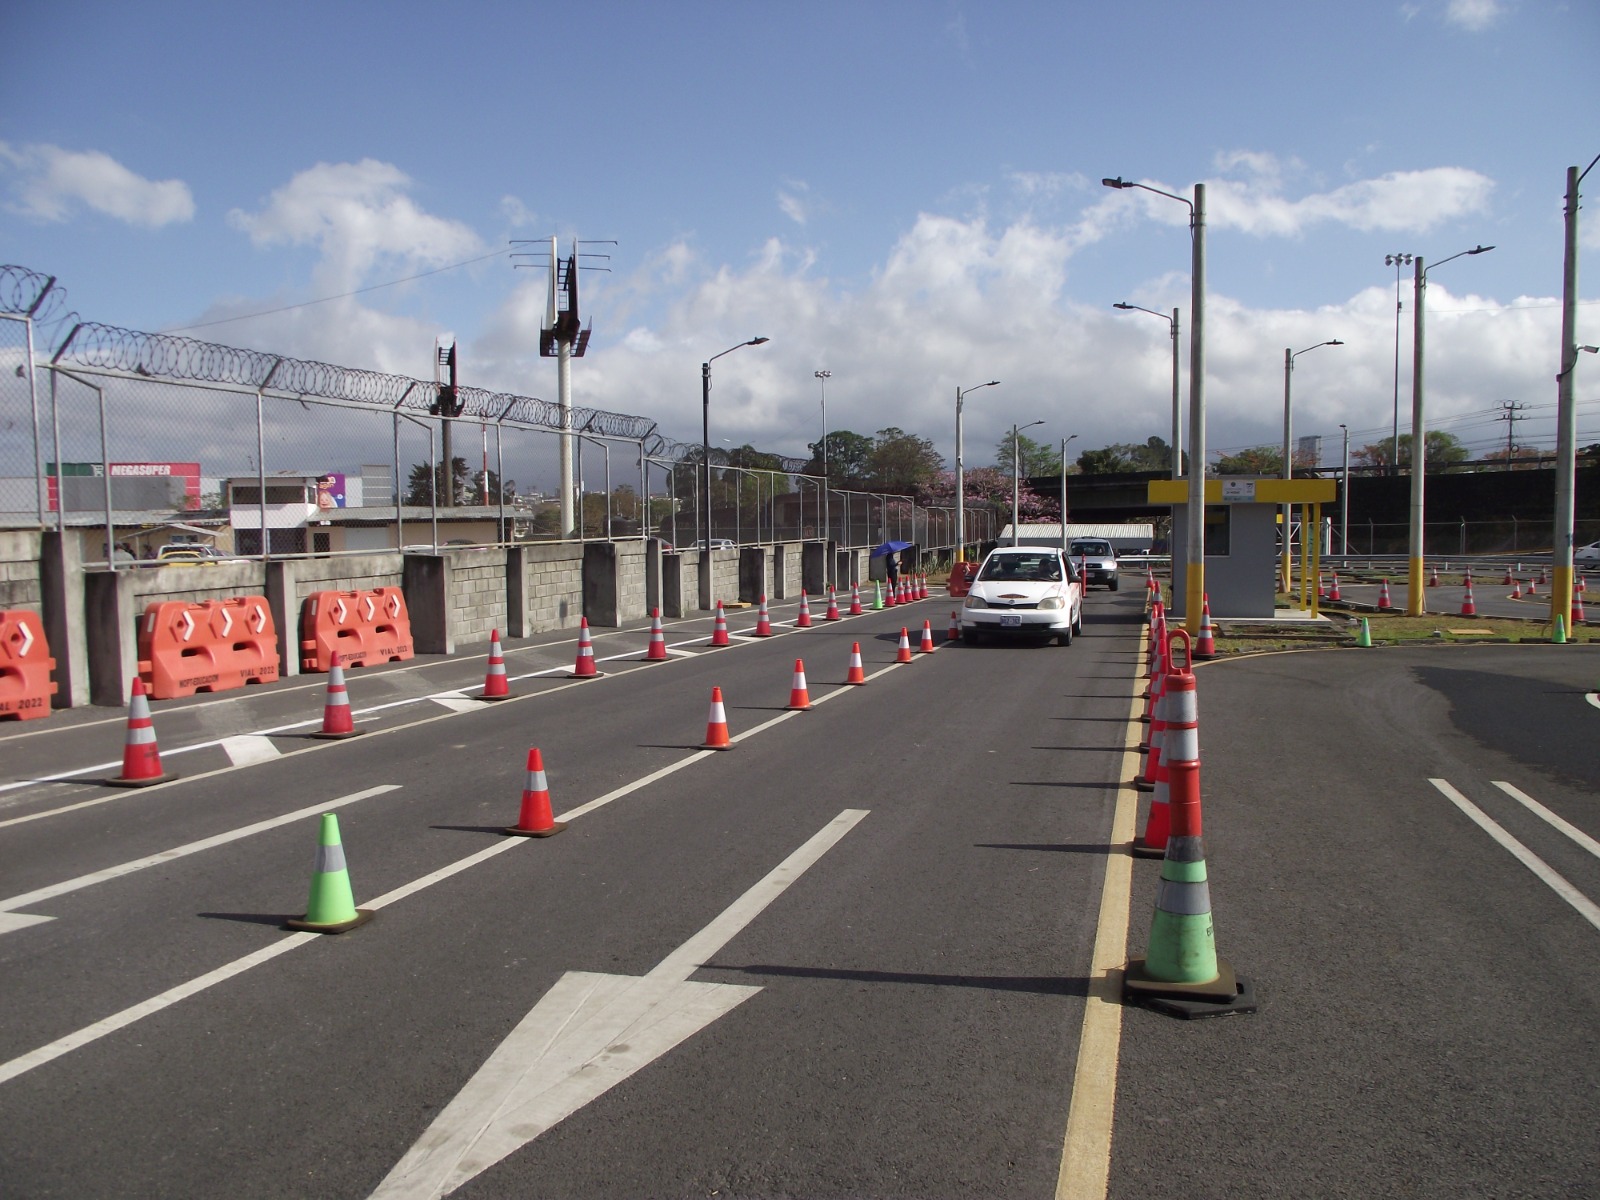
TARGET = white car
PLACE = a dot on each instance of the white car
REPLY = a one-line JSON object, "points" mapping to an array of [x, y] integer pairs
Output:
{"points": [[1024, 591], [1587, 555]]}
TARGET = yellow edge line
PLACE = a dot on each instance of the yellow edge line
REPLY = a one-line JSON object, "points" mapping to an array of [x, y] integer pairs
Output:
{"points": [[1086, 1151]]}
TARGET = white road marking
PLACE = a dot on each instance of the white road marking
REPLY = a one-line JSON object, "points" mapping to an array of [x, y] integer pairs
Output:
{"points": [[586, 1035], [454, 701], [1543, 870], [50, 892], [247, 748], [1544, 814], [1593, 698]]}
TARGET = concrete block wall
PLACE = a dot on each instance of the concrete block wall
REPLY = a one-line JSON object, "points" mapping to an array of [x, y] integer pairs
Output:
{"points": [[476, 595], [724, 576], [788, 583], [632, 600], [360, 573], [552, 588], [19, 570]]}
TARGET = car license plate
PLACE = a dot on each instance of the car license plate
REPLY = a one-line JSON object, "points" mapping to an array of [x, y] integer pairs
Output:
{"points": [[1010, 622]]}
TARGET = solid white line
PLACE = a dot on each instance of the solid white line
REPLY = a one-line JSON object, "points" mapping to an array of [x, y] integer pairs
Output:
{"points": [[1544, 814], [166, 856], [1546, 874]]}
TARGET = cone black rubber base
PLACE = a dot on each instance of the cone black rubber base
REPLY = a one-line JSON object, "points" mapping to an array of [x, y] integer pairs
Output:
{"points": [[709, 746], [492, 699], [301, 925], [596, 675], [555, 828], [323, 735], [1140, 850], [119, 781], [1143, 784], [1226, 995]]}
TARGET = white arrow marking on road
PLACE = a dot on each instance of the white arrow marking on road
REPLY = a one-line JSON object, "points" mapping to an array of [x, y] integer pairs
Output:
{"points": [[587, 1034]]}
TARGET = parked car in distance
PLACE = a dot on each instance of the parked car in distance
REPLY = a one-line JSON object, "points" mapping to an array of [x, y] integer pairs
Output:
{"points": [[191, 553], [1021, 591], [1588, 555], [1097, 560], [718, 544]]}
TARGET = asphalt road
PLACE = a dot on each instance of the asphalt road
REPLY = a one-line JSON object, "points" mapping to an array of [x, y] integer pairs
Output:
{"points": [[902, 1011]]}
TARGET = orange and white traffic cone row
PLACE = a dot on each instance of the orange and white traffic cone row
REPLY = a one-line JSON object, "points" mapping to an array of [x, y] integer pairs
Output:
{"points": [[1384, 602], [535, 818], [855, 600], [141, 757], [833, 606], [336, 720], [585, 667], [657, 651], [719, 628], [1469, 607], [803, 621], [495, 684], [763, 621]]}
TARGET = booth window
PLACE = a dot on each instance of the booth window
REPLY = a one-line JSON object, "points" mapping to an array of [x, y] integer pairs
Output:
{"points": [[1219, 530]]}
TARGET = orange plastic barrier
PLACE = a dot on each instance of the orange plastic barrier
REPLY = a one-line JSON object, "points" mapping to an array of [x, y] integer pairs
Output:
{"points": [[214, 646], [25, 666], [961, 577], [362, 628]]}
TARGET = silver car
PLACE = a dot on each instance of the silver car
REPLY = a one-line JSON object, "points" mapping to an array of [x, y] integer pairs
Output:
{"points": [[1097, 560], [1022, 591]]}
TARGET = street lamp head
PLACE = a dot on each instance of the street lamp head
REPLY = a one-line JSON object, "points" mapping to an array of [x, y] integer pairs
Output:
{"points": [[1403, 260], [1480, 250], [1335, 342], [1125, 307], [758, 341], [1118, 182], [823, 374]]}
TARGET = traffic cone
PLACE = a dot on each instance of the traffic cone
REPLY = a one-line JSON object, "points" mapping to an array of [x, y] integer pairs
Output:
{"points": [[903, 654], [803, 621], [331, 907], [927, 638], [799, 696], [719, 628], [1206, 647], [1433, 579], [857, 673], [1149, 578], [1466, 577], [1469, 607], [535, 819], [1364, 636], [658, 639], [891, 595], [955, 626], [922, 587], [717, 725], [877, 596], [763, 621], [584, 668], [1322, 589], [1516, 590], [1577, 610], [1181, 973], [855, 600], [336, 722], [495, 685], [1543, 578], [141, 757], [833, 606], [1583, 585], [1145, 781], [1384, 603], [1533, 587], [1333, 590], [1560, 635], [1507, 581]]}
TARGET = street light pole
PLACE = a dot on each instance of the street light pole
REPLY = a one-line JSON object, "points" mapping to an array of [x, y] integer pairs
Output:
{"points": [[827, 530], [1064, 442], [1288, 461], [961, 495], [1016, 479], [1419, 444], [1566, 412], [1344, 500], [1396, 261], [1177, 439], [705, 431]]}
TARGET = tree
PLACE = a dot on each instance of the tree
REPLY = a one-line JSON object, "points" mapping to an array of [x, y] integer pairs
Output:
{"points": [[1442, 448], [468, 487], [902, 461], [1035, 458], [848, 457], [1153, 454], [1517, 458], [1257, 460]]}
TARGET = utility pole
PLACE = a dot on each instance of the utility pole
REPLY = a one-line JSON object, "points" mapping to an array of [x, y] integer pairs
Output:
{"points": [[1511, 409], [446, 406]]}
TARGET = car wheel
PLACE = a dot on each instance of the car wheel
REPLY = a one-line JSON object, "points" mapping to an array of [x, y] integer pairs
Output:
{"points": [[1077, 621], [969, 637], [1114, 583], [1065, 639]]}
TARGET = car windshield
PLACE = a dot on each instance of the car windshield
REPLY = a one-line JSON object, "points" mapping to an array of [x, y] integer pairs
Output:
{"points": [[1023, 568], [1098, 549]]}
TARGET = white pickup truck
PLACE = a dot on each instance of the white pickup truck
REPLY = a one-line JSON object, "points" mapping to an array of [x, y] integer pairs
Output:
{"points": [[1097, 560]]}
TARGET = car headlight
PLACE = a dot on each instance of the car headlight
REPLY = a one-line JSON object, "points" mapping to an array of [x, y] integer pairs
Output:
{"points": [[975, 602], [1052, 602]]}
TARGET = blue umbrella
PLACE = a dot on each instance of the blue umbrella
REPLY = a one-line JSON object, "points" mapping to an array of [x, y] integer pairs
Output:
{"points": [[889, 548]]}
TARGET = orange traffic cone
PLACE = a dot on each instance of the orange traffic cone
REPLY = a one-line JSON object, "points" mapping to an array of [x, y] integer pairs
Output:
{"points": [[803, 621], [1149, 578], [336, 722], [717, 725], [1508, 580], [763, 621], [658, 639], [1206, 646], [922, 587], [903, 654], [1466, 577], [1469, 607], [799, 696], [495, 684], [719, 628], [1577, 610], [855, 599], [1322, 588], [535, 819], [857, 673], [584, 668], [1433, 579], [833, 606], [1516, 590], [1384, 603], [955, 626], [890, 595], [1333, 589], [1146, 780], [927, 638], [141, 757], [1543, 578], [1583, 585], [1533, 588]]}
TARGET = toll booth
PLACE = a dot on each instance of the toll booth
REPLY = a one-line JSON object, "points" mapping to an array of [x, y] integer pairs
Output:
{"points": [[1242, 550]]}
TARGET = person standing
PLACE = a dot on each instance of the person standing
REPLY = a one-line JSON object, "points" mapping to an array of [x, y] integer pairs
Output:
{"points": [[891, 568]]}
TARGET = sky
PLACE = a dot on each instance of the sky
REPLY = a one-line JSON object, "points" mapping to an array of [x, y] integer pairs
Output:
{"points": [[907, 195]]}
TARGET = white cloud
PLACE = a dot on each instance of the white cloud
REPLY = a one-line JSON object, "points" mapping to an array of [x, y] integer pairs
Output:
{"points": [[52, 181], [1473, 15], [517, 214], [792, 203], [357, 214]]}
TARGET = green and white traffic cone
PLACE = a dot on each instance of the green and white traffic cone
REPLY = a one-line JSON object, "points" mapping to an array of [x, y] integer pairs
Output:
{"points": [[1560, 635], [332, 906], [1364, 638]]}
